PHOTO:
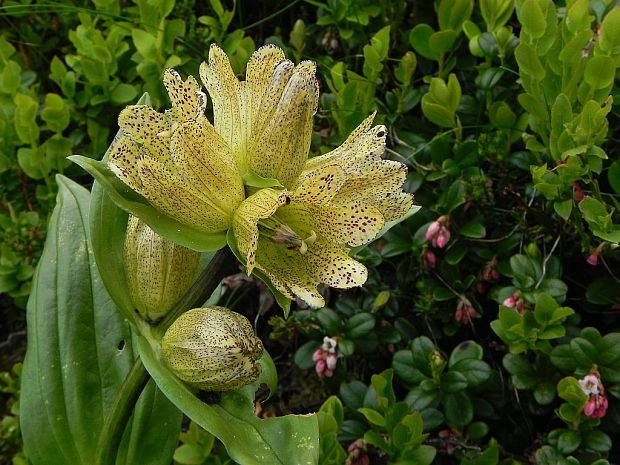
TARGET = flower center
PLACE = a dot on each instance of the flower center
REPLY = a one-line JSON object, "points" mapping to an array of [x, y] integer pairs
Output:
{"points": [[280, 233]]}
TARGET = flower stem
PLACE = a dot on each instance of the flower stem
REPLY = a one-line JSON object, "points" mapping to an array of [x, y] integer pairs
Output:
{"points": [[221, 265], [115, 423]]}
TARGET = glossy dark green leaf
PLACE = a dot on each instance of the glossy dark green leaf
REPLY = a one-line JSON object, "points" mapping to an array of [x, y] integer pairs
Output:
{"points": [[249, 440], [79, 353]]}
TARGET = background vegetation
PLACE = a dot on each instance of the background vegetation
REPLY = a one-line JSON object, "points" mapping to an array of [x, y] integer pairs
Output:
{"points": [[481, 311]]}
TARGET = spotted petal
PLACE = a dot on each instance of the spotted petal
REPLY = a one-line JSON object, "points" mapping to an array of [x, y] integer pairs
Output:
{"points": [[379, 184], [297, 275], [281, 149], [204, 160], [123, 160], [353, 224], [258, 206], [143, 125], [364, 145], [225, 91], [188, 102]]}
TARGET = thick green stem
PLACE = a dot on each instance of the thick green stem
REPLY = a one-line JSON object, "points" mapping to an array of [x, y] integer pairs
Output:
{"points": [[221, 265], [115, 423]]}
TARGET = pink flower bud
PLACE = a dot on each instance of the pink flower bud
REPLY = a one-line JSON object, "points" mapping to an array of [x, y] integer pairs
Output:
{"points": [[442, 239], [578, 194], [596, 407], [471, 312], [432, 230], [328, 373], [593, 259], [331, 361], [494, 274], [430, 260], [320, 368], [510, 301], [317, 355]]}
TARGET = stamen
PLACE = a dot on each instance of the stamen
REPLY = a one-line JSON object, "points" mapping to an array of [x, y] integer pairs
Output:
{"points": [[283, 234]]}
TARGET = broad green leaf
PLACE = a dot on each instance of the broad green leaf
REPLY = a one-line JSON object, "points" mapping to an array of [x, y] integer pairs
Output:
{"points": [[405, 369], [529, 63], [442, 41], [419, 38], [249, 440], [568, 441], [458, 409], [563, 208], [359, 325], [372, 416], [473, 229], [532, 18], [137, 205], [451, 14], [613, 175], [597, 441], [475, 372], [466, 350], [600, 72], [79, 353], [453, 381]]}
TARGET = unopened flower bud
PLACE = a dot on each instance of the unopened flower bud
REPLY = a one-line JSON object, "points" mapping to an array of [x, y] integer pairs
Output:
{"points": [[331, 361], [432, 230], [213, 349], [159, 272]]}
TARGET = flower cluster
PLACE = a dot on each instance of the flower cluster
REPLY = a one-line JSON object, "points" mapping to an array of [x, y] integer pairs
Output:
{"points": [[291, 218], [358, 453], [438, 232], [596, 406], [465, 312], [515, 300], [325, 358]]}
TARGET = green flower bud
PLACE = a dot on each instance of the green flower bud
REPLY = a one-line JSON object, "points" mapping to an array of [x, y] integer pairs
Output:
{"points": [[213, 349], [159, 272]]}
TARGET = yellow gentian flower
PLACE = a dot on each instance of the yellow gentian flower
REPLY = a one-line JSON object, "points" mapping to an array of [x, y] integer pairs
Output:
{"points": [[300, 237], [266, 120], [177, 160]]}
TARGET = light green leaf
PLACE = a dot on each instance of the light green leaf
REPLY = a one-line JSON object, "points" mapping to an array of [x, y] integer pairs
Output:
{"points": [[79, 353]]}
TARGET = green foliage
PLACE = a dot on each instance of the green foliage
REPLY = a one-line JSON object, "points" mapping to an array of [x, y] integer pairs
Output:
{"points": [[69, 293], [504, 113]]}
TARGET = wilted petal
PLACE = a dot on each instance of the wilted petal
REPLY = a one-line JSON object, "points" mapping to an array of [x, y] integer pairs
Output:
{"points": [[188, 102], [258, 206], [225, 91]]}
